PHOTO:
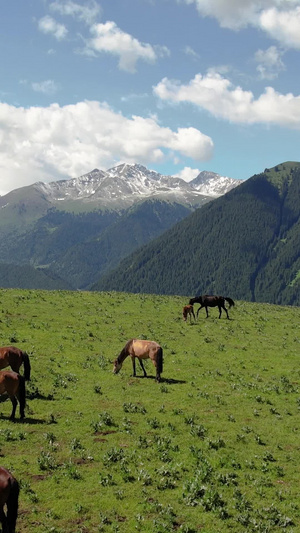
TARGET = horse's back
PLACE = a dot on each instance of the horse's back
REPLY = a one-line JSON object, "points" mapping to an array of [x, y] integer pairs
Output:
{"points": [[200, 299], [143, 348], [4, 350], [10, 355]]}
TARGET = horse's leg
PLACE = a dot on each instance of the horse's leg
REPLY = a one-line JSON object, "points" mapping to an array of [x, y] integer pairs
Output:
{"points": [[133, 366], [14, 406], [3, 521], [226, 312], [21, 405], [143, 368], [157, 375], [220, 310], [206, 309], [201, 306]]}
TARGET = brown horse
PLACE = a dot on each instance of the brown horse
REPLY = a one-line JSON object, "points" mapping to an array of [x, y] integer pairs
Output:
{"points": [[14, 357], [9, 496], [212, 301], [13, 385], [188, 310], [141, 349]]}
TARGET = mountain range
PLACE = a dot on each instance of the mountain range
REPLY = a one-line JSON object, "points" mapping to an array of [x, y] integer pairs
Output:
{"points": [[71, 232], [120, 187], [244, 244]]}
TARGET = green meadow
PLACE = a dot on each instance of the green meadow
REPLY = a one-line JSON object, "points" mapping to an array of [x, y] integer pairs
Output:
{"points": [[213, 447]]}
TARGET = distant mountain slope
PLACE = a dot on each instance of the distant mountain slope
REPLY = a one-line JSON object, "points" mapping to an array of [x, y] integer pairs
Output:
{"points": [[115, 189], [85, 261], [124, 185], [27, 277], [244, 244], [81, 228]]}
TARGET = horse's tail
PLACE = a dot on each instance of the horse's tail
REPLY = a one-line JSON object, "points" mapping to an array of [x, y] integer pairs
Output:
{"points": [[13, 505], [230, 301], [27, 366], [22, 395], [159, 363]]}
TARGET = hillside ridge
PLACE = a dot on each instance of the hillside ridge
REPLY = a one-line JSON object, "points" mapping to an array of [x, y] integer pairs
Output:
{"points": [[244, 245]]}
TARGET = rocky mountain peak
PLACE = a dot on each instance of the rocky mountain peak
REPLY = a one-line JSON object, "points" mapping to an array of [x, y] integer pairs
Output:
{"points": [[126, 184]]}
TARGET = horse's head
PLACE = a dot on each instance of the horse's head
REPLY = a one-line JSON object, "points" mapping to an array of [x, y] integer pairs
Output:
{"points": [[117, 366]]}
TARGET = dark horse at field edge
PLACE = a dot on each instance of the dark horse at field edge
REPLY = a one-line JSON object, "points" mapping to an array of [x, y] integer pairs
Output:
{"points": [[212, 301], [14, 357], [9, 497], [13, 385], [141, 349]]}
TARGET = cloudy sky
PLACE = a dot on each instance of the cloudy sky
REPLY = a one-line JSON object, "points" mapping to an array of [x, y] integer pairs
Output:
{"points": [[179, 86]]}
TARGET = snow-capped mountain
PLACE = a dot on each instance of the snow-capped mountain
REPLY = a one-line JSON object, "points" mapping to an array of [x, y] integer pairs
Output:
{"points": [[81, 228], [213, 184], [125, 184]]}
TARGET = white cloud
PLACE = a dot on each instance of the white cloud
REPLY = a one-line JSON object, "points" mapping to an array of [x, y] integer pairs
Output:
{"points": [[87, 12], [280, 19], [284, 26], [46, 87], [111, 39], [188, 173], [46, 144], [222, 99], [49, 26], [269, 62], [192, 143], [189, 51], [232, 14], [134, 96]]}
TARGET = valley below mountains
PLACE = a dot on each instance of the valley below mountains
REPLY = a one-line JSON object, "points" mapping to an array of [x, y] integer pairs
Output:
{"points": [[244, 244], [67, 234], [131, 229]]}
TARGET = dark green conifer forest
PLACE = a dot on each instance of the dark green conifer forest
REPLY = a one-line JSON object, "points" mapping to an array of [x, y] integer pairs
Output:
{"points": [[245, 245]]}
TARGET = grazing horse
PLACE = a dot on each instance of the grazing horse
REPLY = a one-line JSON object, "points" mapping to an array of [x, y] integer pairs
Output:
{"points": [[212, 301], [142, 349], [9, 496], [13, 385], [14, 357], [188, 310]]}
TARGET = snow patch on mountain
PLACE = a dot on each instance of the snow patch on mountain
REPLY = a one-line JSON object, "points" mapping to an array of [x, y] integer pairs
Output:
{"points": [[131, 183]]}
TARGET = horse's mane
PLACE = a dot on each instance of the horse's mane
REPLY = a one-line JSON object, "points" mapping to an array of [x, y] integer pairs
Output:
{"points": [[125, 351], [196, 300]]}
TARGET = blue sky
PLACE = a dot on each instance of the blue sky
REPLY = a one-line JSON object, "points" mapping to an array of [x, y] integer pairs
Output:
{"points": [[179, 86]]}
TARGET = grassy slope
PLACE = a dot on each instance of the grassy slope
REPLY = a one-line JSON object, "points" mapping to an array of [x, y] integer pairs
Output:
{"points": [[214, 447]]}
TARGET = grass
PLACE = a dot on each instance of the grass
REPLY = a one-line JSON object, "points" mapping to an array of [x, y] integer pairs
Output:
{"points": [[214, 447]]}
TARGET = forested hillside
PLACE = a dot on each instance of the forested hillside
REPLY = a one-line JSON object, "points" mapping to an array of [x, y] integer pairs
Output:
{"points": [[32, 278], [245, 244], [80, 247], [81, 228]]}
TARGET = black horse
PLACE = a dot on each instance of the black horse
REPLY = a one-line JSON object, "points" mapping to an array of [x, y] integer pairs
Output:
{"points": [[212, 301]]}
